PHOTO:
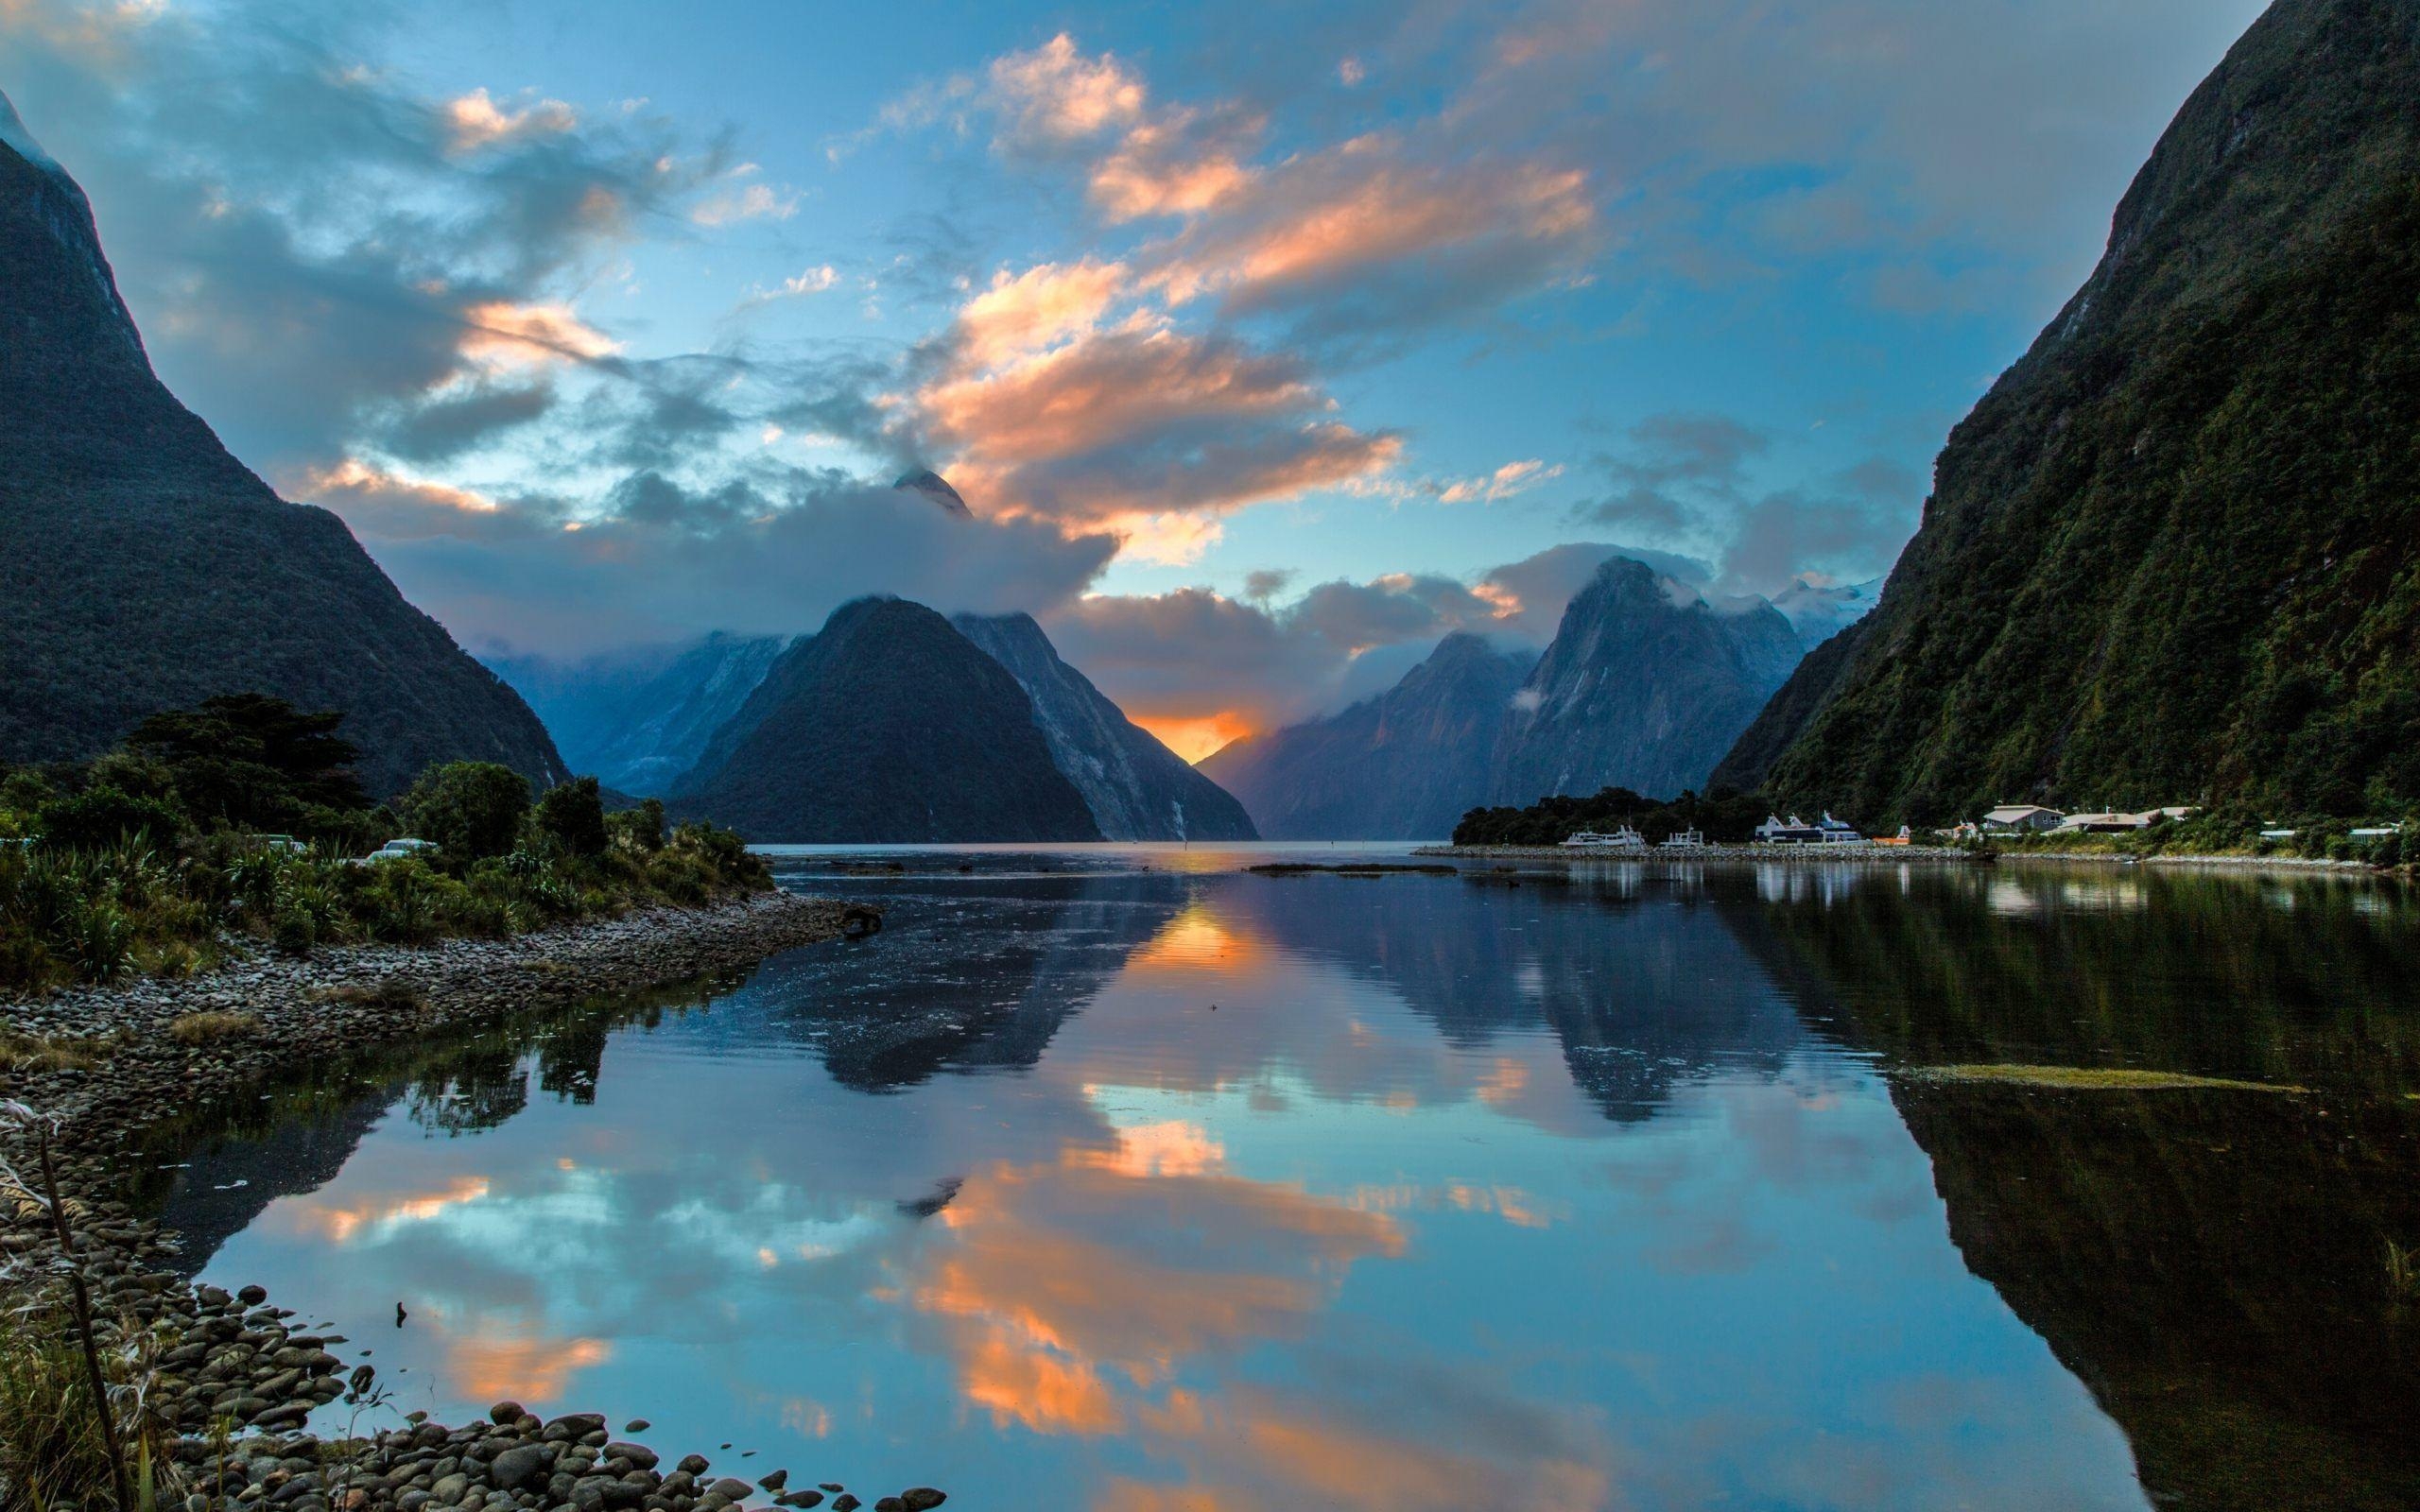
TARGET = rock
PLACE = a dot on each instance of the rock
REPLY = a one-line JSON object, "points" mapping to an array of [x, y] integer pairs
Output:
{"points": [[517, 1466], [732, 1489], [637, 1425], [504, 1412], [922, 1498], [890, 1504], [694, 1464], [845, 1502], [449, 1488], [776, 1481], [799, 1499], [640, 1457], [252, 1295]]}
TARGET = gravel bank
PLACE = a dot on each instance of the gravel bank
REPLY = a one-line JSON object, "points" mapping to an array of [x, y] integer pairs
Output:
{"points": [[227, 1372]]}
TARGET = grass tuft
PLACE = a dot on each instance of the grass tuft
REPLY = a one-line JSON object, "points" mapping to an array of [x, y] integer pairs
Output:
{"points": [[388, 992], [211, 1026]]}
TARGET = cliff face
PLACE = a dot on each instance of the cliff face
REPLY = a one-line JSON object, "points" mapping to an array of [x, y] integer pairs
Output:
{"points": [[2171, 557], [1136, 788], [639, 722], [1645, 686], [145, 568], [887, 724], [1401, 766]]}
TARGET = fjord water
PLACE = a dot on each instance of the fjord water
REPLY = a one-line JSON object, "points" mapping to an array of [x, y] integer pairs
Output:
{"points": [[1125, 1178]]}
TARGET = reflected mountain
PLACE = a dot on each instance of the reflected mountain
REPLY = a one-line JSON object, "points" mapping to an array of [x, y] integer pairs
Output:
{"points": [[2215, 1265], [977, 977], [1639, 977]]}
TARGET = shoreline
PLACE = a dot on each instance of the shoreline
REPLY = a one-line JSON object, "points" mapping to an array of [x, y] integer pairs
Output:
{"points": [[231, 1358], [1891, 855]]}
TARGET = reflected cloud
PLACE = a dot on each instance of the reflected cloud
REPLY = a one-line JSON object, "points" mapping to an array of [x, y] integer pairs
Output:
{"points": [[339, 1223]]}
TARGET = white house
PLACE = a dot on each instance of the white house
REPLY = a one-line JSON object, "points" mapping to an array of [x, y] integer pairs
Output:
{"points": [[2012, 816]]}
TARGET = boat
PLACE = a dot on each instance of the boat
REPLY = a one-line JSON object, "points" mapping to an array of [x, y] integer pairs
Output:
{"points": [[1624, 839], [1685, 840]]}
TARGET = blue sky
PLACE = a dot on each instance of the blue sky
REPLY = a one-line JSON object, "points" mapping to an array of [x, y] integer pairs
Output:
{"points": [[1268, 342]]}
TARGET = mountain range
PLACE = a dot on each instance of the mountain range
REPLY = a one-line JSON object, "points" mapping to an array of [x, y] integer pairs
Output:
{"points": [[1647, 683], [2173, 555], [680, 721], [147, 569]]}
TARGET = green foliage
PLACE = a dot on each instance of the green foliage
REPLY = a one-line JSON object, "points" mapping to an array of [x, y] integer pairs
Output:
{"points": [[571, 817], [640, 829], [1723, 817], [2175, 552], [251, 760], [147, 861], [471, 809], [103, 816]]}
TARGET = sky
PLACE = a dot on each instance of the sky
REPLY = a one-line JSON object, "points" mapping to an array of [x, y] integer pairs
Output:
{"points": [[1266, 342]]}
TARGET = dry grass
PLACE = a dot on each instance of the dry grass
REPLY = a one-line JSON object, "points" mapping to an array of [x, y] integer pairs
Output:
{"points": [[211, 1026], [389, 993], [38, 1053], [2098, 1078]]}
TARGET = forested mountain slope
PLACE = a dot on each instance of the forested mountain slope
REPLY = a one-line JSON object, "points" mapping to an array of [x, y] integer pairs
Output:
{"points": [[2171, 557]]}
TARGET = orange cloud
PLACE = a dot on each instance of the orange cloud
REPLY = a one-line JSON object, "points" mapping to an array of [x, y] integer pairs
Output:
{"points": [[1057, 1306], [1158, 170], [338, 1224], [1355, 210], [500, 333], [1034, 309], [1196, 736], [532, 1370], [1053, 94]]}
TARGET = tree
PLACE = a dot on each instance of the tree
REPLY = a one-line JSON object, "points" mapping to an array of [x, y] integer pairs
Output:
{"points": [[252, 760], [471, 809], [572, 815]]}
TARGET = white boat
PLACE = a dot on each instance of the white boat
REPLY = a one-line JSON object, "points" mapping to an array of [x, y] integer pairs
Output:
{"points": [[1685, 840], [1624, 839]]}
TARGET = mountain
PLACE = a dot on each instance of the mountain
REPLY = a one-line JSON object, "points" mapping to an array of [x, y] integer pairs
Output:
{"points": [[1403, 765], [1646, 685], [639, 720], [1136, 788], [934, 486], [1818, 610], [886, 725], [2173, 556], [147, 569]]}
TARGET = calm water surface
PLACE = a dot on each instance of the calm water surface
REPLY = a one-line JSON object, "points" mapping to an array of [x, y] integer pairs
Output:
{"points": [[1123, 1177]]}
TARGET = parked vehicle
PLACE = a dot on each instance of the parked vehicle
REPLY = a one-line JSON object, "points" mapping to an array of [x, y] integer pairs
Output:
{"points": [[396, 851]]}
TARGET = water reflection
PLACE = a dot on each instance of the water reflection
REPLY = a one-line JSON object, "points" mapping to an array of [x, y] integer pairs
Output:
{"points": [[1165, 1188]]}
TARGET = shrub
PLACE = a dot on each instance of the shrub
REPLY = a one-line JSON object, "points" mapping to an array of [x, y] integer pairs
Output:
{"points": [[639, 830], [571, 815], [471, 809], [102, 816], [294, 934]]}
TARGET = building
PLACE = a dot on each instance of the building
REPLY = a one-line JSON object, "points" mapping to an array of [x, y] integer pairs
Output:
{"points": [[2010, 817], [2119, 823]]}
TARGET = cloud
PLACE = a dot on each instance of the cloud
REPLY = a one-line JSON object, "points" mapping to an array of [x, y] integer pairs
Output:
{"points": [[460, 418], [1035, 309], [737, 200], [479, 122], [309, 245], [1139, 421], [1053, 94], [772, 551], [1249, 663]]}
